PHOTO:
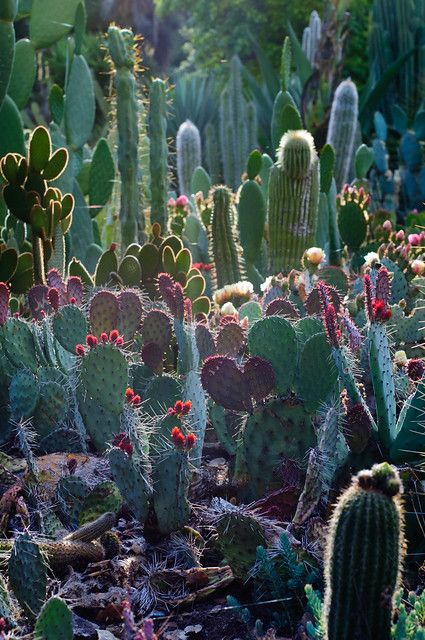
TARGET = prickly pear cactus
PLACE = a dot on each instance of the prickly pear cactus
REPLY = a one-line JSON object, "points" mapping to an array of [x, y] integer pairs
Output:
{"points": [[54, 621]]}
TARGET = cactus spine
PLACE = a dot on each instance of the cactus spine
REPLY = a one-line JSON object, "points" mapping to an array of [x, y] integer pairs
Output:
{"points": [[120, 45], [364, 555], [342, 128], [235, 117], [158, 153], [293, 201], [188, 144], [225, 253]]}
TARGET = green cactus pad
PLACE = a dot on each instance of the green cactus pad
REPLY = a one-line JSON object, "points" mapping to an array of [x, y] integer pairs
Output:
{"points": [[23, 73], [308, 327], [274, 339], [171, 479], [104, 312], [130, 313], [24, 393], [352, 225], [80, 103], [70, 327], [108, 263], [217, 416], [251, 310], [131, 479], [54, 621], [27, 575], [318, 375], [130, 271], [407, 442], [52, 408], [157, 328], [273, 432], [239, 535], [104, 373], [18, 343], [161, 394], [100, 423], [104, 498], [71, 491], [381, 370], [50, 21], [102, 175]]}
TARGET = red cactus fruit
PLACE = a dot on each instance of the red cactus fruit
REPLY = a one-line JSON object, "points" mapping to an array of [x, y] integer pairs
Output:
{"points": [[80, 350], [136, 401], [119, 341], [53, 296], [113, 335], [129, 394], [415, 369], [122, 441], [190, 441], [104, 337], [331, 326], [91, 340], [178, 438]]}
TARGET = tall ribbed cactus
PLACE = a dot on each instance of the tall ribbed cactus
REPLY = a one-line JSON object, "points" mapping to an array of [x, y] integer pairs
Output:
{"points": [[311, 37], [293, 201], [158, 152], [188, 143], [364, 554], [120, 45], [342, 128], [225, 251], [237, 120]]}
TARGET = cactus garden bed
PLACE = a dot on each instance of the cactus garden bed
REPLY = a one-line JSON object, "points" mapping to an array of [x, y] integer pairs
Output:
{"points": [[212, 390]]}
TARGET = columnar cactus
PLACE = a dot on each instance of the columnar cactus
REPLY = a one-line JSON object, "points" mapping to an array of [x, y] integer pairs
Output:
{"points": [[293, 201], [121, 49], [311, 37], [188, 143], [224, 247], [342, 129], [234, 126], [158, 153], [364, 555]]}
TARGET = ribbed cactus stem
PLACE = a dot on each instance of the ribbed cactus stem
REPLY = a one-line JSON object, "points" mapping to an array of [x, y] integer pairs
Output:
{"points": [[311, 37], [293, 201], [158, 153], [120, 45], [212, 153], [342, 129], [225, 253], [188, 144], [237, 126], [363, 557]]}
